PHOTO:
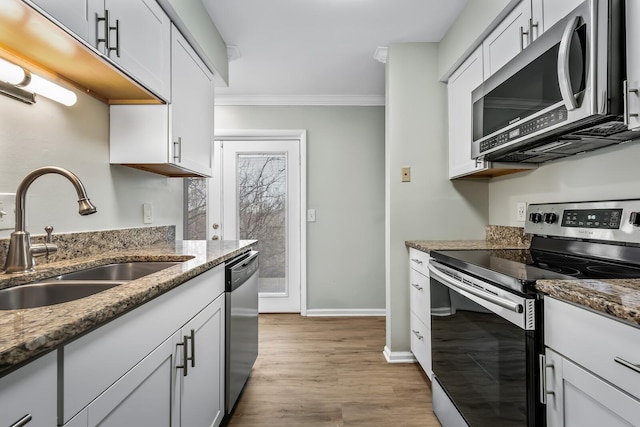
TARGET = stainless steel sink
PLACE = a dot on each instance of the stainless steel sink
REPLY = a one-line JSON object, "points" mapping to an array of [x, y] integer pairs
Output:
{"points": [[51, 292], [79, 284], [120, 271]]}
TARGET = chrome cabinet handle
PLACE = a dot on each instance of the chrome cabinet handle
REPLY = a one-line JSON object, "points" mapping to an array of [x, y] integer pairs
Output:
{"points": [[418, 287], [542, 361], [417, 334], [531, 27], [632, 366], [117, 48], [524, 33], [416, 260], [564, 76], [104, 19], [22, 421], [177, 147], [192, 337], [185, 357], [625, 92]]}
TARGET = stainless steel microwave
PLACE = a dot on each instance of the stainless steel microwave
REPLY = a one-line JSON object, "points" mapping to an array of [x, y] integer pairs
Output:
{"points": [[562, 95]]}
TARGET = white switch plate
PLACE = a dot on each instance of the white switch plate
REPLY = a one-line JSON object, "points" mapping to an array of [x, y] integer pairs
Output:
{"points": [[311, 215], [8, 206], [521, 211], [147, 213]]}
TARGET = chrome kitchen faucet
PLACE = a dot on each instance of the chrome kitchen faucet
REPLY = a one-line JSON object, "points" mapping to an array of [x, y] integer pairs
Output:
{"points": [[21, 253]]}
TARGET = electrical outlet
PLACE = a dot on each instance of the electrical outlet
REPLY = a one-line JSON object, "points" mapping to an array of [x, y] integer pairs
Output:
{"points": [[147, 213], [521, 211], [7, 211]]}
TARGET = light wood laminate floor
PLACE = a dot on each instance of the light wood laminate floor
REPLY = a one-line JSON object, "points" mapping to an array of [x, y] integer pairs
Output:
{"points": [[330, 371]]}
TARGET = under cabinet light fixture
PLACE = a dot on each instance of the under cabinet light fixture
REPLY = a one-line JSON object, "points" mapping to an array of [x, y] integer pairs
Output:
{"points": [[20, 84]]}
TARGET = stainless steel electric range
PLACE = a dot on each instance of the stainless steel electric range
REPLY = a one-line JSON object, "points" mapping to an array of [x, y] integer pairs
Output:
{"points": [[486, 315]]}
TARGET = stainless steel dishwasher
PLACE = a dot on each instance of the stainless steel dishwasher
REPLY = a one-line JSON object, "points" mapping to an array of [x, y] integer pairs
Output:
{"points": [[241, 324]]}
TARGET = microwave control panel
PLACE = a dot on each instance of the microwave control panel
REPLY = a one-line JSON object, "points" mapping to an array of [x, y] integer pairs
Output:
{"points": [[548, 119]]}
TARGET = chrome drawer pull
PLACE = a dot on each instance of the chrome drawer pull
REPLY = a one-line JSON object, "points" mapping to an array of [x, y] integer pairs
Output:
{"points": [[416, 260], [22, 421], [418, 287], [417, 334], [629, 365], [542, 360], [185, 356]]}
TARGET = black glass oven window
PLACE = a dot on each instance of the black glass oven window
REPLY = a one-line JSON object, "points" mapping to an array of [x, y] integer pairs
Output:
{"points": [[480, 359], [532, 89]]}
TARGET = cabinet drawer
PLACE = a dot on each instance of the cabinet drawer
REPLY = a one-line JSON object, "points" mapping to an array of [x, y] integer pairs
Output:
{"points": [[419, 261], [97, 360], [421, 343], [598, 343], [419, 296], [31, 390]]}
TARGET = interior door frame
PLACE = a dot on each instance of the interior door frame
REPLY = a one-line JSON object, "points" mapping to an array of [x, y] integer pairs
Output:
{"points": [[215, 190]]}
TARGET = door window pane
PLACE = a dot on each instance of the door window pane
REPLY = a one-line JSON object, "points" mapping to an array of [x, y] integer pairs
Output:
{"points": [[262, 214], [195, 213]]}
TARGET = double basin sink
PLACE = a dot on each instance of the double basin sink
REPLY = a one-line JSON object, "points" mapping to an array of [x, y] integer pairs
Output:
{"points": [[79, 284]]}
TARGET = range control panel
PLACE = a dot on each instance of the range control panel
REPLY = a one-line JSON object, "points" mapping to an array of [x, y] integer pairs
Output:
{"points": [[616, 221]]}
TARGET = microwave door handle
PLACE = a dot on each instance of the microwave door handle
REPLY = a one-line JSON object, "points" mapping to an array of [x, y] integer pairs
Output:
{"points": [[564, 76]]}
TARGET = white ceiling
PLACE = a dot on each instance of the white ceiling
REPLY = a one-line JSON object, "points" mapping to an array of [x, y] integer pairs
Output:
{"points": [[319, 49]]}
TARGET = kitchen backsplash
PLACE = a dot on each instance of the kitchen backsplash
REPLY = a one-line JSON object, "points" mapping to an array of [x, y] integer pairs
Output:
{"points": [[507, 235], [87, 243]]}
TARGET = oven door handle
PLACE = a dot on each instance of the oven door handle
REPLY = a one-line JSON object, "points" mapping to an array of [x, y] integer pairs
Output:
{"points": [[447, 281]]}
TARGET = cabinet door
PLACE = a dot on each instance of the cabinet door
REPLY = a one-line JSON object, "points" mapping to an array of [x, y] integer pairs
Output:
{"points": [[202, 400], [77, 15], [508, 39], [191, 107], [419, 297], [145, 396], [461, 83], [633, 62], [143, 42], [581, 399], [545, 13], [421, 344], [30, 392]]}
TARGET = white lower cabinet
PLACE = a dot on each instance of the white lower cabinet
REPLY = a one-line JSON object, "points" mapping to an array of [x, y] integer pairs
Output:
{"points": [[592, 368], [161, 364], [420, 303], [30, 394]]}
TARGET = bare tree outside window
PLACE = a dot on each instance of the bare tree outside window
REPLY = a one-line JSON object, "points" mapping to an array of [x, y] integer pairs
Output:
{"points": [[195, 215], [262, 203]]}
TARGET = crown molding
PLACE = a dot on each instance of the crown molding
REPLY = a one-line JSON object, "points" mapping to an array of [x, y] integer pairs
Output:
{"points": [[302, 100], [381, 54]]}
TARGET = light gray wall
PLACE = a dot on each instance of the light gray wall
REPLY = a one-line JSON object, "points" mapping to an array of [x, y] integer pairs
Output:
{"points": [[606, 174], [77, 138], [430, 206], [468, 30], [345, 185]]}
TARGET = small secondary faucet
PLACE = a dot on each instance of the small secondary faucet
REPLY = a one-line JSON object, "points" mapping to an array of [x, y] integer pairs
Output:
{"points": [[21, 252]]}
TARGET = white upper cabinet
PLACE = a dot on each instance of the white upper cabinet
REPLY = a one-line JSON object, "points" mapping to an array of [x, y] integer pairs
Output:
{"points": [[461, 83], [174, 139], [508, 39], [632, 113], [135, 34]]}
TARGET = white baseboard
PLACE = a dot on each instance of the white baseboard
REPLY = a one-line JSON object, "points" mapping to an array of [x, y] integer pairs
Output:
{"points": [[319, 312], [398, 356]]}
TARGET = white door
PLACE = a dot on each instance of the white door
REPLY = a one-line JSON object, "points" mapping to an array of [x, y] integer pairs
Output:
{"points": [[261, 197]]}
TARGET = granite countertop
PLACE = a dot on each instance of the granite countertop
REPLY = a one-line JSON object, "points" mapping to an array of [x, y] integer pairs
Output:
{"points": [[443, 245], [28, 333], [619, 298]]}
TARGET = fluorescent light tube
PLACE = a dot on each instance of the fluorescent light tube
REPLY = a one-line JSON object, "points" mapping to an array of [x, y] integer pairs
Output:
{"points": [[51, 90], [10, 73]]}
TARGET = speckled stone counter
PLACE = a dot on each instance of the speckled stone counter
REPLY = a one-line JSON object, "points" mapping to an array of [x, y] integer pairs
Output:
{"points": [[498, 237], [25, 334], [619, 298]]}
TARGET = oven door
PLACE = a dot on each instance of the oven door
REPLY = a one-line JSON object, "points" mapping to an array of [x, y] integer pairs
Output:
{"points": [[484, 350]]}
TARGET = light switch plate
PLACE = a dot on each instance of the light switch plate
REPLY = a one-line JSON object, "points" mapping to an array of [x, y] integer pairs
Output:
{"points": [[406, 174], [7, 211], [311, 215]]}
